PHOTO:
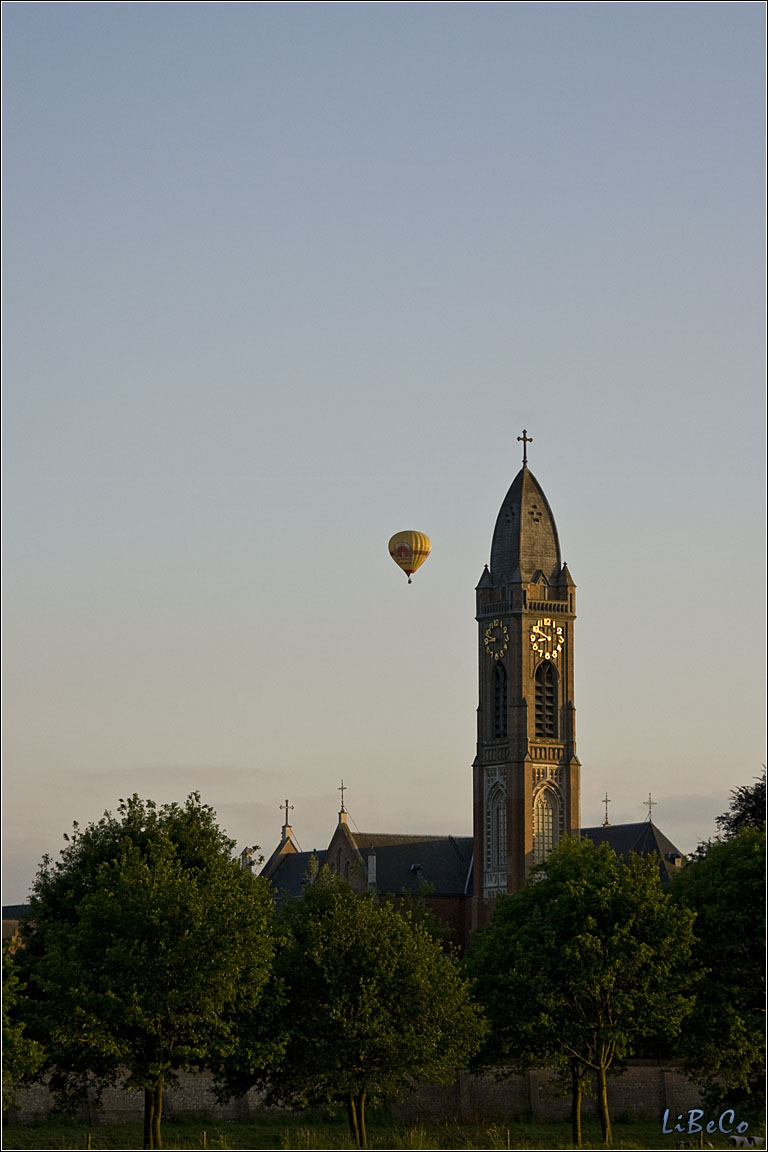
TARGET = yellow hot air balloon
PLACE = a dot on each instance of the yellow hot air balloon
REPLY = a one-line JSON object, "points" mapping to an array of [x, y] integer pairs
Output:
{"points": [[409, 550]]}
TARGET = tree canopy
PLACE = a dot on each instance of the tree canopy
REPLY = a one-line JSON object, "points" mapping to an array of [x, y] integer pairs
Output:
{"points": [[723, 1046], [746, 810], [581, 964], [371, 1000], [22, 1056], [145, 944]]}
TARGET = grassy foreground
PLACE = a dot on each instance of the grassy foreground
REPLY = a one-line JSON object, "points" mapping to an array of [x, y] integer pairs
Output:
{"points": [[306, 1130]]}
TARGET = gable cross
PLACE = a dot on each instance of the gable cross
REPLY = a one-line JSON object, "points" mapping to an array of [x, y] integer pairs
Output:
{"points": [[286, 806], [651, 805], [606, 822], [342, 789], [526, 439]]}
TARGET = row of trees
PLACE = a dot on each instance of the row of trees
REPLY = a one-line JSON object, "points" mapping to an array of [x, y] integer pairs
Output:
{"points": [[149, 951], [596, 962]]}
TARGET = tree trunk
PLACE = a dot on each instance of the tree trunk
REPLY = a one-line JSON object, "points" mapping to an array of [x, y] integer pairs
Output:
{"points": [[602, 1105], [576, 1090], [149, 1107], [354, 1131], [157, 1115], [153, 1114], [361, 1119]]}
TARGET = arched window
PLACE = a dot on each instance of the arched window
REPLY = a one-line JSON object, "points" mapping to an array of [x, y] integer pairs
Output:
{"points": [[546, 824], [499, 702], [546, 700], [496, 829]]}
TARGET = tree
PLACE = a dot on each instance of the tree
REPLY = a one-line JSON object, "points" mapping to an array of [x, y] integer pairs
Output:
{"points": [[723, 1042], [371, 1000], [747, 809], [580, 965], [145, 943], [21, 1056]]}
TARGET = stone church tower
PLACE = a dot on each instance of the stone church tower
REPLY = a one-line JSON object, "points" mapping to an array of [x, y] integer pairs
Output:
{"points": [[526, 772]]}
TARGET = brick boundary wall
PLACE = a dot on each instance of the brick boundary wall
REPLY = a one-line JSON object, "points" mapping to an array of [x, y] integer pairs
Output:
{"points": [[644, 1090]]}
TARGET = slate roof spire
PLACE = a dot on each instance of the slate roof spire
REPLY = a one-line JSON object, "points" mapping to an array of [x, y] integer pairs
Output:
{"points": [[525, 537]]}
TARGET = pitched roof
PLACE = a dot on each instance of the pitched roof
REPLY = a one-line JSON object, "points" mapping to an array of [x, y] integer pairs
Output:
{"points": [[290, 875], [12, 915], [643, 838], [404, 863], [407, 863], [366, 840], [15, 911]]}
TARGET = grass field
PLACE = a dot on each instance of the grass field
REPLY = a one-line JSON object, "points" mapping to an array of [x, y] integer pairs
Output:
{"points": [[305, 1130]]}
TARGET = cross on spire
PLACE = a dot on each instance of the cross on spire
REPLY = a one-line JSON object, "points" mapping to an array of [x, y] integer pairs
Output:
{"points": [[287, 807], [651, 805], [342, 789], [606, 822], [526, 439]]}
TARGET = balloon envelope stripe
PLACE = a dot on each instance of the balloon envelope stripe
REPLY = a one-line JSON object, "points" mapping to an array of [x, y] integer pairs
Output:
{"points": [[409, 550]]}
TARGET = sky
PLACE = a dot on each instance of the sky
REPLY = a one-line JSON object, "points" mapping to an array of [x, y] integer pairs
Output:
{"points": [[281, 280]]}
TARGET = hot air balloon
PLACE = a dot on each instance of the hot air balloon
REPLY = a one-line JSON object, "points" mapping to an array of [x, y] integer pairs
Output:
{"points": [[409, 550]]}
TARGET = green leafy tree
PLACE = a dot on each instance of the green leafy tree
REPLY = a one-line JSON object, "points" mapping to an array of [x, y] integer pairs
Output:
{"points": [[747, 809], [371, 1000], [21, 1056], [580, 965], [723, 1042], [145, 944]]}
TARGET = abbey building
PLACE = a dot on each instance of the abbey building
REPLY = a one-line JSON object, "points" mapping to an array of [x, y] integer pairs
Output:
{"points": [[526, 783]]}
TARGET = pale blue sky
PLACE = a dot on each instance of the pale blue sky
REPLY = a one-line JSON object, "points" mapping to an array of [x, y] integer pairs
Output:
{"points": [[283, 279]]}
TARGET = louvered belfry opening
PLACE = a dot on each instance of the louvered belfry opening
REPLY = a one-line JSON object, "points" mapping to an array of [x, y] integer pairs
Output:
{"points": [[499, 702], [546, 701]]}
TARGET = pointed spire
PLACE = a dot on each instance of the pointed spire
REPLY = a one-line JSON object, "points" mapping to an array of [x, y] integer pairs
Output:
{"points": [[485, 580], [525, 535]]}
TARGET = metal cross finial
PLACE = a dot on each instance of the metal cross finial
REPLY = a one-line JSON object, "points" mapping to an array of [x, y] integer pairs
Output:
{"points": [[606, 822], [526, 439], [287, 806], [651, 805], [342, 789]]}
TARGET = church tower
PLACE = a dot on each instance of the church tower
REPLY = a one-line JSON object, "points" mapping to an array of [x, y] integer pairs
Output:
{"points": [[526, 772]]}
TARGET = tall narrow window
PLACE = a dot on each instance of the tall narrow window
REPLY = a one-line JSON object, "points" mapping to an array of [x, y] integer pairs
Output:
{"points": [[545, 825], [499, 830], [496, 828], [499, 702], [546, 701]]}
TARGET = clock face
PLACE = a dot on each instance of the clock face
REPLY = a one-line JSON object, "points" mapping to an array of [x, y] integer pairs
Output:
{"points": [[547, 638], [496, 639]]}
